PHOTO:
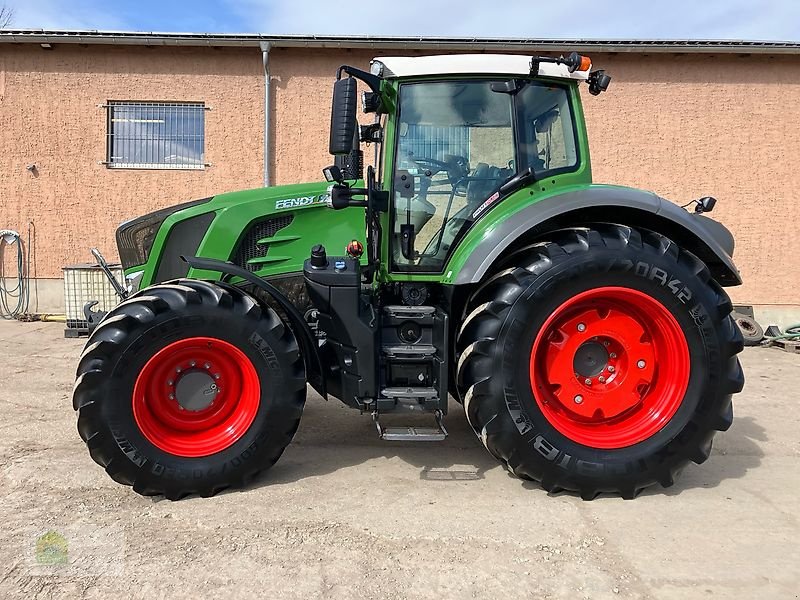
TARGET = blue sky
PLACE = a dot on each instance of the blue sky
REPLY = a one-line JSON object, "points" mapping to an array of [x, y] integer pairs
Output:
{"points": [[693, 19]]}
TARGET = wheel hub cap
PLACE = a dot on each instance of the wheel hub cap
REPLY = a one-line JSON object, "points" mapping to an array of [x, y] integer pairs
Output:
{"points": [[590, 360], [610, 367], [196, 390], [196, 397]]}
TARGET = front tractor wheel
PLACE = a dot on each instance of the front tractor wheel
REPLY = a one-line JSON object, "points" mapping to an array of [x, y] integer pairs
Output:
{"points": [[603, 360], [189, 387]]}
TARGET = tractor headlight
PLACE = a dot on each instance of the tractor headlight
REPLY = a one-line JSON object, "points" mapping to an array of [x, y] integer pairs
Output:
{"points": [[376, 68], [135, 237], [370, 102]]}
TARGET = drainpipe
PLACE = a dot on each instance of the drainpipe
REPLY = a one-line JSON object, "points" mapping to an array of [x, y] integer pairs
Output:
{"points": [[265, 48]]}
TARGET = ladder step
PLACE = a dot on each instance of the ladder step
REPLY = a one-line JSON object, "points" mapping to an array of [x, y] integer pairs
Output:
{"points": [[410, 352], [407, 312], [413, 393], [413, 434]]}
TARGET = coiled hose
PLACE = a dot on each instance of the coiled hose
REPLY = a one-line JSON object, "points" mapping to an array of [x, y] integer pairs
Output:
{"points": [[792, 333], [14, 300]]}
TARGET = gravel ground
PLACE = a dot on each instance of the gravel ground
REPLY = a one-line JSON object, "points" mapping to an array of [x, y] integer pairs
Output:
{"points": [[344, 515]]}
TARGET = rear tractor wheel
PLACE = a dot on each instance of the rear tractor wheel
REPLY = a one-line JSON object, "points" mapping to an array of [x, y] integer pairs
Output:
{"points": [[603, 360], [189, 387]]}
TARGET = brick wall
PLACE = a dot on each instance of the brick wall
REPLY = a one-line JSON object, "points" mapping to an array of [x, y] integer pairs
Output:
{"points": [[682, 126]]}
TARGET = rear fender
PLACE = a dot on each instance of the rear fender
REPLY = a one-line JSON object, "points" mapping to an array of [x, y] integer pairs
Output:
{"points": [[707, 239]]}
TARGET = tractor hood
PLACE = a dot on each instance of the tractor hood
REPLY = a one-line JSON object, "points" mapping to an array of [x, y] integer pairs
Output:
{"points": [[268, 231]]}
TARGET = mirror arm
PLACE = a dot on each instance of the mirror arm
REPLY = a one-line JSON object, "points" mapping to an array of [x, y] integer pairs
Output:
{"points": [[373, 81]]}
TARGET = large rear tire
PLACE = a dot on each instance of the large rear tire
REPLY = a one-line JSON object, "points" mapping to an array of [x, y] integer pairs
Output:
{"points": [[603, 360], [189, 387]]}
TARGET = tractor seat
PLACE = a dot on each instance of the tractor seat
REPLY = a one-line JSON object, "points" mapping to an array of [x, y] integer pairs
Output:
{"points": [[483, 182]]}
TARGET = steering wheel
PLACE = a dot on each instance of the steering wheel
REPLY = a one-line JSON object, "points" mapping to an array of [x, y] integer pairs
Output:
{"points": [[431, 164]]}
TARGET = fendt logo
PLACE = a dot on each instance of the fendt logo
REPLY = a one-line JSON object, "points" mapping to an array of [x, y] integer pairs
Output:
{"points": [[302, 201]]}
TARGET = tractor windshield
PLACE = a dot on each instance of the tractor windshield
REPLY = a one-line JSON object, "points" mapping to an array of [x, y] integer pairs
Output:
{"points": [[459, 141]]}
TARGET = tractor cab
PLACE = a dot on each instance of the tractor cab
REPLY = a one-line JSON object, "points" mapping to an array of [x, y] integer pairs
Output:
{"points": [[454, 136]]}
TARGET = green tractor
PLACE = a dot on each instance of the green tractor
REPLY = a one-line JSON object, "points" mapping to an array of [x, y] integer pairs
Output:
{"points": [[584, 328]]}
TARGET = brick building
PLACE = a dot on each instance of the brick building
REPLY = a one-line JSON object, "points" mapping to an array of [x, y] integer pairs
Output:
{"points": [[684, 119]]}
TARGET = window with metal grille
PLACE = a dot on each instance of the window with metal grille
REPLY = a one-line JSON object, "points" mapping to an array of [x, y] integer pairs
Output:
{"points": [[156, 135], [428, 141]]}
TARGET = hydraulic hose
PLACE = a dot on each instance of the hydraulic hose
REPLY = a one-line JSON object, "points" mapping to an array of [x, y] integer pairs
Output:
{"points": [[792, 333], [14, 300]]}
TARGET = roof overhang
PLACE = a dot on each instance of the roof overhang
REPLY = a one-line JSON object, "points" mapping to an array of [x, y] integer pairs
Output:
{"points": [[455, 44]]}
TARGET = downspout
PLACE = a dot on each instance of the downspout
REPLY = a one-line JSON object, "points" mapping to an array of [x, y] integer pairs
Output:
{"points": [[265, 48]]}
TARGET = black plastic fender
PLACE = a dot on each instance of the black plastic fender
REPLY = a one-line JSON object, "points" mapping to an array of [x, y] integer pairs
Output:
{"points": [[305, 337], [707, 239]]}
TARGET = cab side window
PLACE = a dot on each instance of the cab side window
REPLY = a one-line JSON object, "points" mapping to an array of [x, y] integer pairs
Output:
{"points": [[546, 128]]}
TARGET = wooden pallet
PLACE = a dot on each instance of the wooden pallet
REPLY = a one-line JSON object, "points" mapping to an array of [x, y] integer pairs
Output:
{"points": [[787, 346]]}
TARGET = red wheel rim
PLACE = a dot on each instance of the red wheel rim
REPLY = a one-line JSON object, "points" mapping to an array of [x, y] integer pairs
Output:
{"points": [[610, 367], [196, 397]]}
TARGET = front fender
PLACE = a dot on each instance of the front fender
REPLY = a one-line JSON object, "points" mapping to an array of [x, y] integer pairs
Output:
{"points": [[488, 240]]}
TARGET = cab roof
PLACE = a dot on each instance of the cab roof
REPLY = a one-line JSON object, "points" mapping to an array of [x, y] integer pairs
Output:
{"points": [[473, 64]]}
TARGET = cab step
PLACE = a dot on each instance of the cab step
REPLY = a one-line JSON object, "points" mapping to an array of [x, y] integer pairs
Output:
{"points": [[412, 434], [410, 393], [410, 352]]}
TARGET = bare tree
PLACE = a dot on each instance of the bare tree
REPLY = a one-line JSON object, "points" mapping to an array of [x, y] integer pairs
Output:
{"points": [[6, 16]]}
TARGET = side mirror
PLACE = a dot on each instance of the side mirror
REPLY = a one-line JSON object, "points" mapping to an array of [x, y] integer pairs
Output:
{"points": [[343, 116]]}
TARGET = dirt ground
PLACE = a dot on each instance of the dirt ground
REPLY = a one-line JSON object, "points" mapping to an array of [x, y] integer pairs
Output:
{"points": [[344, 515]]}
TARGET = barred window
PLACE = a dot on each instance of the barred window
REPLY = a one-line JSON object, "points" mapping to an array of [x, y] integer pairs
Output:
{"points": [[432, 142], [156, 135]]}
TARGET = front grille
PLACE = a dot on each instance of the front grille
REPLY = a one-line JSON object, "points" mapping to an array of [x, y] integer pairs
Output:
{"points": [[248, 247]]}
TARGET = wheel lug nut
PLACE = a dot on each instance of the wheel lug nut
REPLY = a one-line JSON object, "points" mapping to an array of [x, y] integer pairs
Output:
{"points": [[206, 366], [172, 396], [581, 327], [216, 375], [193, 363], [613, 355], [170, 382], [587, 381], [601, 379], [578, 399], [610, 368], [641, 364], [605, 343], [178, 370]]}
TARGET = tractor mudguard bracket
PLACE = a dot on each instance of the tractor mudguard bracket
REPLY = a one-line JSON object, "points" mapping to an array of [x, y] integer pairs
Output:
{"points": [[305, 337]]}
